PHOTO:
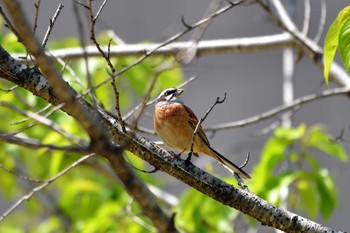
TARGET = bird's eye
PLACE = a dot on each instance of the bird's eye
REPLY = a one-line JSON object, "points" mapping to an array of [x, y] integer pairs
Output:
{"points": [[169, 92]]}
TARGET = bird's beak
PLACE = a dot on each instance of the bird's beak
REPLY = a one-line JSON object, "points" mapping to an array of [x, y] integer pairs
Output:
{"points": [[179, 91]]}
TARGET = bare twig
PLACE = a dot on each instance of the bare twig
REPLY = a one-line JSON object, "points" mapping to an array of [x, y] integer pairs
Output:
{"points": [[106, 56], [321, 22], [305, 44], [9, 24], [42, 186], [161, 68], [52, 23], [20, 176], [186, 55], [8, 89], [307, 14], [217, 101], [100, 10], [136, 218], [266, 115], [36, 144], [38, 113], [37, 7], [82, 44], [47, 122]]}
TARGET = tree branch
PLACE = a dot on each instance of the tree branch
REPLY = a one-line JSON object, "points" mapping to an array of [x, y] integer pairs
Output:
{"points": [[241, 200], [55, 90], [297, 103]]}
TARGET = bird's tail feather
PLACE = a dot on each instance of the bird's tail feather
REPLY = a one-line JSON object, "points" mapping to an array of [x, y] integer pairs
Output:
{"points": [[230, 165]]}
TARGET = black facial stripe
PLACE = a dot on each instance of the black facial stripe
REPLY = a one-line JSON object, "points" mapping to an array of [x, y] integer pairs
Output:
{"points": [[170, 92]]}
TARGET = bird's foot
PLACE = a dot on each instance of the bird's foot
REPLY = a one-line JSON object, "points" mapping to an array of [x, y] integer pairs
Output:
{"points": [[188, 159]]}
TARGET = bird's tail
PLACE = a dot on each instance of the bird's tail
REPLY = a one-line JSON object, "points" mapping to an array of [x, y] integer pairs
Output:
{"points": [[227, 163]]}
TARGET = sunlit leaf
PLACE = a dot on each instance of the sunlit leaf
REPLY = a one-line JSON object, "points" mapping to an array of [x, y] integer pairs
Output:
{"points": [[278, 186], [323, 142], [199, 213], [332, 40], [10, 43], [69, 42], [309, 197], [272, 154], [291, 134], [328, 193], [344, 43]]}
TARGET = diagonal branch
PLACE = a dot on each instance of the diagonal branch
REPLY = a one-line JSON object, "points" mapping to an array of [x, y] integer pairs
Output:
{"points": [[55, 90], [295, 104], [204, 182]]}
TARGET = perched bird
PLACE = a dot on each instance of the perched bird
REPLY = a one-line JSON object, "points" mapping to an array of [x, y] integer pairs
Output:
{"points": [[175, 123]]}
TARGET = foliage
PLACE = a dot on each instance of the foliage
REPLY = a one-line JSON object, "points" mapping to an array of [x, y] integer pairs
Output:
{"points": [[289, 170], [87, 199], [338, 36]]}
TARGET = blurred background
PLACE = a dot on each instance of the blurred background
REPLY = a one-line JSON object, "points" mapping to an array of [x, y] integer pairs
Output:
{"points": [[252, 81]]}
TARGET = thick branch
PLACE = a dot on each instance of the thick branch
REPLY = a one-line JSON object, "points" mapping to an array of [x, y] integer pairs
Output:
{"points": [[31, 78], [241, 200], [204, 47], [55, 90]]}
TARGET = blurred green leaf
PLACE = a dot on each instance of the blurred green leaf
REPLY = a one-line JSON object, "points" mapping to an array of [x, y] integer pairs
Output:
{"points": [[199, 213], [51, 224], [291, 134], [309, 198], [272, 154], [10, 43], [69, 42], [328, 193], [278, 186], [323, 142]]}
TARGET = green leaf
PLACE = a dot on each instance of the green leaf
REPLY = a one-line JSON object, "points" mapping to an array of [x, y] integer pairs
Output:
{"points": [[323, 142], [197, 212], [273, 153], [344, 43], [332, 39], [277, 186], [309, 198], [291, 134], [328, 193]]}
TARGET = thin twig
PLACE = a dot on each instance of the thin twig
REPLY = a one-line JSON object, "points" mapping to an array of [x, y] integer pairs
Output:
{"points": [[37, 7], [45, 121], [82, 43], [51, 25], [163, 67], [27, 119], [307, 14], [16, 174], [322, 21], [186, 55], [42, 186], [170, 40], [272, 112], [36, 144], [137, 219], [8, 89], [217, 101], [106, 56], [9, 24], [100, 10]]}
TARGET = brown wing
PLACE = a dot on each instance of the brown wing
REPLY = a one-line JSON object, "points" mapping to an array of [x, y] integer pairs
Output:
{"points": [[193, 121]]}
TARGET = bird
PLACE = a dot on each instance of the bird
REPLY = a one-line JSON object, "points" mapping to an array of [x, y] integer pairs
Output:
{"points": [[175, 123]]}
